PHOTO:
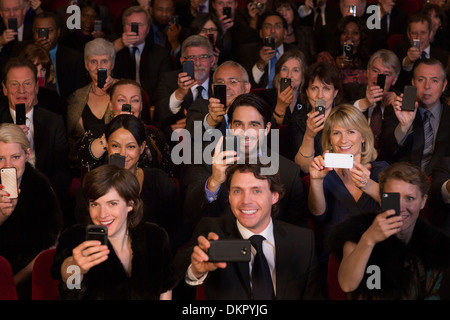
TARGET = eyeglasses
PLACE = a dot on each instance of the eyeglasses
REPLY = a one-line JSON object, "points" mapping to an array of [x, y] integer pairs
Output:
{"points": [[231, 82], [208, 30], [202, 57], [268, 26]]}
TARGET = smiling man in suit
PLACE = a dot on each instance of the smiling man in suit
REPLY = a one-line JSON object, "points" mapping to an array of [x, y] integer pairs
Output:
{"points": [[45, 129], [287, 251]]}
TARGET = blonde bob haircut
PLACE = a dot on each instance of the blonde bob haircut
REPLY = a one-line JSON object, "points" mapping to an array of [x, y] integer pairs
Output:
{"points": [[350, 117], [12, 133]]}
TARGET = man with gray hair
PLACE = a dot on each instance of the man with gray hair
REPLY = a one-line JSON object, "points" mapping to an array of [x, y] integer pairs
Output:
{"points": [[177, 90], [382, 64]]}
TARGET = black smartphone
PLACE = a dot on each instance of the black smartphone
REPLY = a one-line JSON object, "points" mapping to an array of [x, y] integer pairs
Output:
{"points": [[284, 83], [126, 107], [20, 114], [211, 39], [117, 159], [12, 24], [348, 50], [390, 200], [220, 92], [135, 27], [231, 142], [97, 232], [269, 42], [175, 19], [227, 12], [409, 98], [101, 77], [229, 251], [320, 106], [188, 67], [381, 80], [43, 33], [98, 25]]}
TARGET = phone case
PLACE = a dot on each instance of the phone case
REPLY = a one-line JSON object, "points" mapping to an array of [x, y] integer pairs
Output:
{"points": [[20, 114], [97, 232], [9, 181], [230, 251], [284, 84], [338, 160], [390, 200], [188, 67], [101, 78], [409, 98], [220, 92]]}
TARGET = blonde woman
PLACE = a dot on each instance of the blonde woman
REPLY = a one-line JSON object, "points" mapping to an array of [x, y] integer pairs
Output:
{"points": [[337, 193]]}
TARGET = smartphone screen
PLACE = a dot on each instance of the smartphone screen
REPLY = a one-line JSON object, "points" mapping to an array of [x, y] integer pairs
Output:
{"points": [[188, 67], [220, 92], [390, 200], [409, 98], [101, 78], [20, 114]]}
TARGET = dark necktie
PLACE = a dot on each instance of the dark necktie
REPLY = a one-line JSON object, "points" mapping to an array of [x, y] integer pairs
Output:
{"points": [[429, 137], [375, 123], [423, 55], [384, 23], [201, 8], [262, 286], [133, 62], [273, 62], [318, 23], [199, 93]]}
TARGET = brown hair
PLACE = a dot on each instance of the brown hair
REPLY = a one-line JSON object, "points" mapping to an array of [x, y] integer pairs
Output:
{"points": [[100, 180], [407, 172]]}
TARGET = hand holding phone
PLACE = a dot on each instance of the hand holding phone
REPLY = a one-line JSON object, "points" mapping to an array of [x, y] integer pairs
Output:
{"points": [[269, 42], [12, 24], [227, 12], [97, 232], [390, 200], [409, 98], [235, 250], [284, 84], [231, 143], [9, 182], [338, 160]]}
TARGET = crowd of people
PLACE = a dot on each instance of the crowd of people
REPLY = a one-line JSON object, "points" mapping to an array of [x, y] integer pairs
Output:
{"points": [[111, 107]]}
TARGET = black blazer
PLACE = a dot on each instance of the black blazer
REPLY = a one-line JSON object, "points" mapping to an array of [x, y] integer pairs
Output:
{"points": [[249, 55], [440, 174], [155, 60], [295, 263], [412, 148], [293, 207], [50, 144], [70, 70]]}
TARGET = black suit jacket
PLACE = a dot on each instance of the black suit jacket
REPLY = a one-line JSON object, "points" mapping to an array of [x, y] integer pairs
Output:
{"points": [[412, 148], [155, 60], [249, 55], [295, 263], [71, 71], [293, 207], [440, 174], [50, 144]]}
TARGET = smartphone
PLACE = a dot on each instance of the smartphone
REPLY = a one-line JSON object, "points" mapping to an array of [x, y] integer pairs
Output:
{"points": [[12, 24], [269, 42], [43, 33], [188, 67], [126, 107], [416, 43], [101, 77], [284, 83], [97, 232], [175, 19], [230, 251], [409, 98], [381, 80], [231, 143], [390, 200], [220, 92], [9, 182], [98, 25], [352, 10], [338, 160], [227, 12], [117, 159], [348, 50], [135, 27], [211, 39], [320, 106], [20, 114]]}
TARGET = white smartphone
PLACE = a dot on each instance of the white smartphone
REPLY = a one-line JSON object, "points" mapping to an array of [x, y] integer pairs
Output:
{"points": [[338, 160], [9, 181]]}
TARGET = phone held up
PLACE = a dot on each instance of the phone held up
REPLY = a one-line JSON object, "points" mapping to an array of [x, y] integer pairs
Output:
{"points": [[220, 92], [231, 143], [233, 250], [117, 159], [9, 182], [338, 160], [20, 114], [101, 77], [97, 232], [188, 67], [409, 98], [284, 84], [135, 28], [381, 80], [269, 42], [390, 200], [126, 107]]}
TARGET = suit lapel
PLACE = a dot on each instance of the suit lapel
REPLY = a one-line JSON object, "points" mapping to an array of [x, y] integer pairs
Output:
{"points": [[283, 252]]}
